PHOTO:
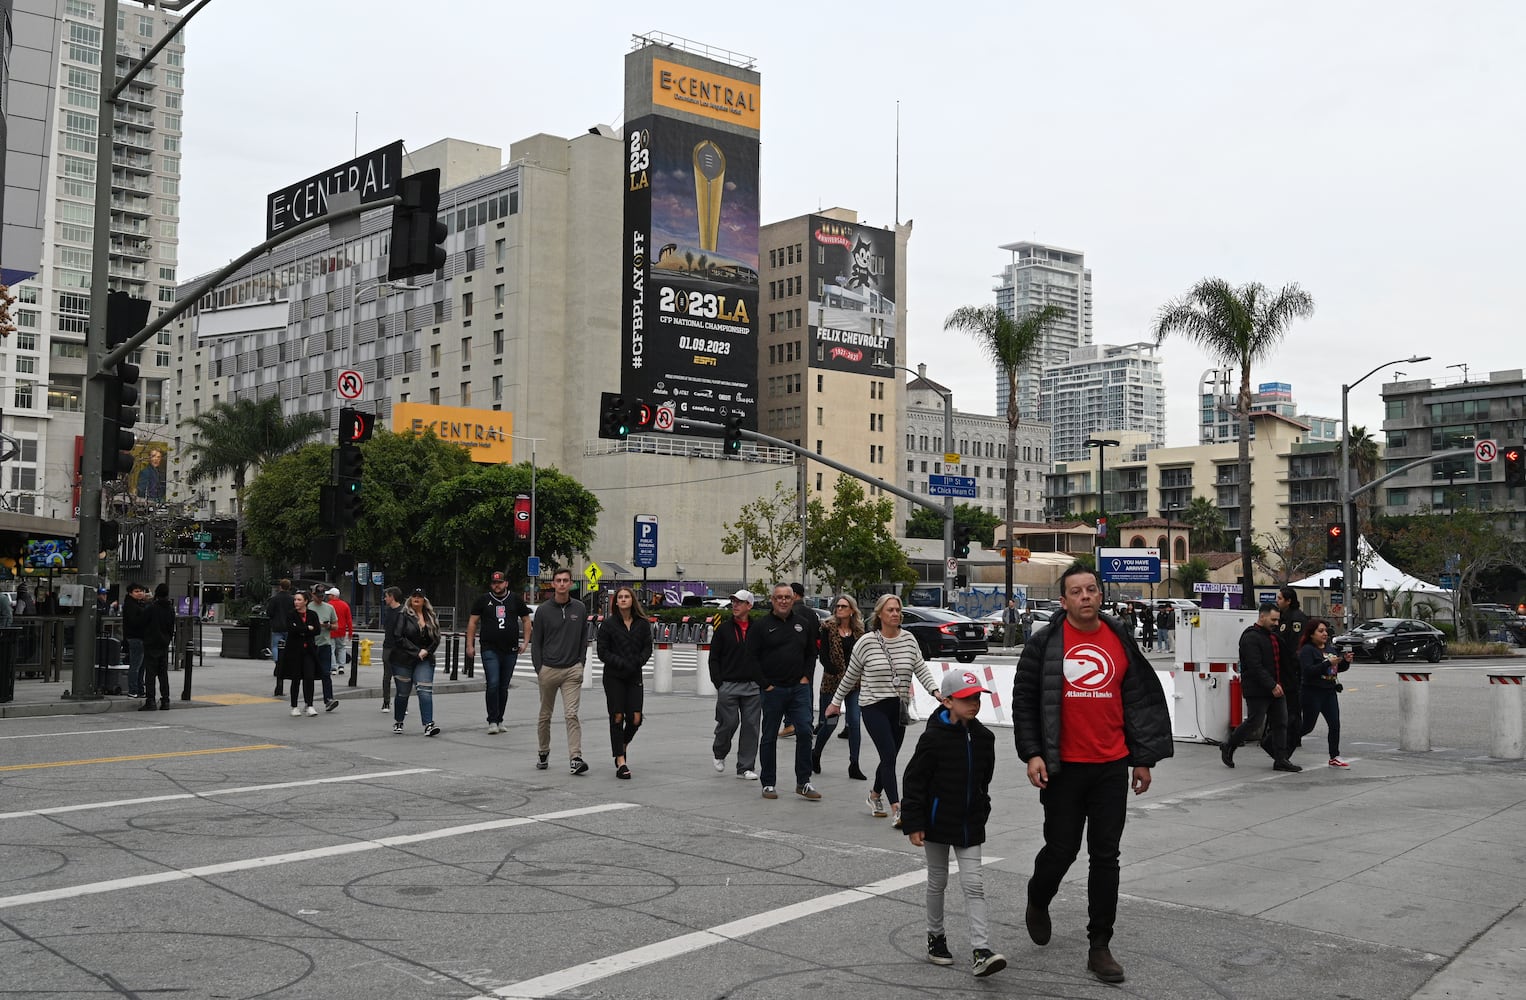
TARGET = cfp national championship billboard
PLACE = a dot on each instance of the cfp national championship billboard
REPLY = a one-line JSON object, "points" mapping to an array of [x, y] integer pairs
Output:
{"points": [[852, 318], [691, 264]]}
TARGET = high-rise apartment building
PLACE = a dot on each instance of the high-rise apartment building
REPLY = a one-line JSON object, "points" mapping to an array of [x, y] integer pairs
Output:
{"points": [[1040, 276], [1217, 423], [1099, 390], [51, 187]]}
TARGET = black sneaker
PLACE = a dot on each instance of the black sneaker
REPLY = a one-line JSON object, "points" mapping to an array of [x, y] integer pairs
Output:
{"points": [[431, 729], [397, 729], [577, 766], [987, 962], [331, 705], [1285, 765], [937, 950], [540, 761]]}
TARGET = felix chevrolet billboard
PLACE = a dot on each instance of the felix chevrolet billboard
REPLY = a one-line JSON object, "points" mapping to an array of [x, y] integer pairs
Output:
{"points": [[691, 250], [852, 286]]}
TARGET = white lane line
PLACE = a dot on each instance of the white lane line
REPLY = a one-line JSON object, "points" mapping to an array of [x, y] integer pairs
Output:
{"points": [[241, 790], [602, 968], [269, 860], [83, 732]]}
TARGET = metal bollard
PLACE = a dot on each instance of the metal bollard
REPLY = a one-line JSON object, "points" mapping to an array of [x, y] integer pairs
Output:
{"points": [[452, 655], [1505, 708], [662, 668], [354, 680], [1415, 710], [702, 685]]}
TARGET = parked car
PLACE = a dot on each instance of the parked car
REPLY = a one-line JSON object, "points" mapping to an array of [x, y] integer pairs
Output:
{"points": [[945, 633], [1386, 639]]}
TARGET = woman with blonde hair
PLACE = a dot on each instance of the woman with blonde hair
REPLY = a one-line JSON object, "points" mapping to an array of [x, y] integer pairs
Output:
{"points": [[834, 649], [415, 638], [625, 645], [882, 665]]}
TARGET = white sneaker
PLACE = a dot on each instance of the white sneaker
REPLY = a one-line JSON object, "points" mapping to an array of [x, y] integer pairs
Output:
{"points": [[492, 729], [720, 764], [296, 713], [311, 710], [748, 776]]}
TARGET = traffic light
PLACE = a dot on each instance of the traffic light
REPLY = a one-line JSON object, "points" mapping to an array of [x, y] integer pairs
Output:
{"points": [[962, 541], [1335, 543], [349, 464], [734, 434], [121, 414], [328, 508], [638, 416], [1338, 585], [1515, 465], [614, 416], [417, 232], [355, 426], [125, 316]]}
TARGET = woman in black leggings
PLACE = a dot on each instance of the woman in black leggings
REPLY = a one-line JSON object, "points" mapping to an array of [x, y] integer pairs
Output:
{"points": [[625, 645]]}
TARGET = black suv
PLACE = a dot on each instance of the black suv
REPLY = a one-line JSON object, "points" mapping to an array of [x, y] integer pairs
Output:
{"points": [[945, 633], [1387, 639]]}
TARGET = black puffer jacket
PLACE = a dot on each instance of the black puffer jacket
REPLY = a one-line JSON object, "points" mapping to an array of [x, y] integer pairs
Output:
{"points": [[1040, 684], [946, 793], [624, 651]]}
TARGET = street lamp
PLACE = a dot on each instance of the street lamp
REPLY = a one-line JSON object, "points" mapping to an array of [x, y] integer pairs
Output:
{"points": [[1348, 519], [1170, 511], [533, 512], [948, 501], [1102, 445]]}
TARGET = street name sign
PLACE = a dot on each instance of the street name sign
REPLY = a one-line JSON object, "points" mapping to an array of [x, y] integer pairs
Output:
{"points": [[951, 486]]}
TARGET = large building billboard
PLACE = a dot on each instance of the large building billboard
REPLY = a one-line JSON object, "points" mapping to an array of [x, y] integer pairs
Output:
{"points": [[691, 248], [851, 278], [486, 434]]}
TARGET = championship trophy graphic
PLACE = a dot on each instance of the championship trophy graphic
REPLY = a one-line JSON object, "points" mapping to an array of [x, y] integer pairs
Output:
{"points": [[709, 183]]}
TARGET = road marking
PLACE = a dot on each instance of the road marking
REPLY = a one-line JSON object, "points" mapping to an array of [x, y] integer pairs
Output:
{"points": [[602, 968], [180, 796], [318, 853], [237, 699], [84, 732], [141, 756]]}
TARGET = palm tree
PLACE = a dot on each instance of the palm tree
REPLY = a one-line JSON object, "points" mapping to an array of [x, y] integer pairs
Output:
{"points": [[1237, 326], [1009, 343], [233, 437], [1206, 524], [1363, 450]]}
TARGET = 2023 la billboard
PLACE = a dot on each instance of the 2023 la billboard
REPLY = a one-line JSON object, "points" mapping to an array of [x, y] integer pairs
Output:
{"points": [[852, 279], [691, 269]]}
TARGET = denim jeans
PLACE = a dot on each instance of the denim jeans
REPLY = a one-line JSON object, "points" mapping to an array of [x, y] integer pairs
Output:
{"points": [[791, 702], [134, 666], [406, 679], [498, 665], [1093, 798], [825, 727], [326, 670]]}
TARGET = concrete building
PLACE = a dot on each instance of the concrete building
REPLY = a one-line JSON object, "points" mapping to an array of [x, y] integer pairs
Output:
{"points": [[1100, 390], [51, 186], [1039, 276], [1426, 416], [980, 441], [1218, 391]]}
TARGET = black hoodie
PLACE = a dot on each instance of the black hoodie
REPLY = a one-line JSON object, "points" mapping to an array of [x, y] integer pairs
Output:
{"points": [[946, 792]]}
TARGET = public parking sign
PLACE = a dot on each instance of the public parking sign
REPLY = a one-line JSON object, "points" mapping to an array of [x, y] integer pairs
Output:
{"points": [[1129, 565], [646, 540]]}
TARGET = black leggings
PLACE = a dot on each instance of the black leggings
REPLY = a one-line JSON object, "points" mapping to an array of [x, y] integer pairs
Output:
{"points": [[624, 699], [882, 721]]}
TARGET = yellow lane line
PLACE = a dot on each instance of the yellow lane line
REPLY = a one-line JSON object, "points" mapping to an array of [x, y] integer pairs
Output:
{"points": [[141, 756]]}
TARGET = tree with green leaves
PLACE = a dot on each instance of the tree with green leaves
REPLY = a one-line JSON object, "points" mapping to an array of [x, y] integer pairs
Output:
{"points": [[851, 545], [236, 436], [1009, 344], [1237, 327], [1363, 450], [769, 530], [1467, 543], [1205, 524], [471, 518], [400, 471], [1194, 570], [282, 506], [925, 523]]}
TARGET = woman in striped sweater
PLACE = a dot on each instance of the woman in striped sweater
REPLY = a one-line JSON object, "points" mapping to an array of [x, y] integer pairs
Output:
{"points": [[882, 666]]}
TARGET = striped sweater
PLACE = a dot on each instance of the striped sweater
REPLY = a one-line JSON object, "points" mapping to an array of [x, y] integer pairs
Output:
{"points": [[879, 677]]}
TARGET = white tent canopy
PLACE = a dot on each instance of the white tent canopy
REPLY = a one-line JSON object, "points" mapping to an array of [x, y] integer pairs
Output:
{"points": [[1380, 575]]}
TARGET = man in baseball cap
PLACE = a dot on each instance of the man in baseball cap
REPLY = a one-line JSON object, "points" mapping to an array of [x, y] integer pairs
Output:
{"points": [[961, 684], [499, 624], [743, 595]]}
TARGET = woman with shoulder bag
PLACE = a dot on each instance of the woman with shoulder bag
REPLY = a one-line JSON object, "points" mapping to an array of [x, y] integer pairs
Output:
{"points": [[882, 666], [417, 635]]}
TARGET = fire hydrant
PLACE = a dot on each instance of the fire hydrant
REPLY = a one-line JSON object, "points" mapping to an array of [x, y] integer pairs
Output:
{"points": [[365, 652]]}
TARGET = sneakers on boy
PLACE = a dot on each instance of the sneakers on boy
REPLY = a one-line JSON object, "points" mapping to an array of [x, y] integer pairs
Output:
{"points": [[987, 962], [937, 950], [431, 730], [397, 728], [577, 766]]}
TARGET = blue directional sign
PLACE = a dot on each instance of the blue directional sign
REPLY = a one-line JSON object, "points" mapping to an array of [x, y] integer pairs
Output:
{"points": [[1129, 565], [951, 486], [646, 540], [533, 567]]}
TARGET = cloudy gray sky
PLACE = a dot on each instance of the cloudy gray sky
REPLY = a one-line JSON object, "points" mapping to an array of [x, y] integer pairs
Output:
{"points": [[1369, 151]]}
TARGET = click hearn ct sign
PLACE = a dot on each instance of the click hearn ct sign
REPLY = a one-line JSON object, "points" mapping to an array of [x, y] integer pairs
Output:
{"points": [[484, 433]]}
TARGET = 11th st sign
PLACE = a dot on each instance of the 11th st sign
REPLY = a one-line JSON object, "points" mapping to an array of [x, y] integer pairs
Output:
{"points": [[373, 175]]}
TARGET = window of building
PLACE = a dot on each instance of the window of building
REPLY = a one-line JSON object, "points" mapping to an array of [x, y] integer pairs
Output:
{"points": [[23, 395], [172, 144], [170, 165], [466, 304], [498, 342], [497, 388], [173, 78], [169, 208], [1395, 409], [172, 122], [466, 394], [466, 350], [434, 355]]}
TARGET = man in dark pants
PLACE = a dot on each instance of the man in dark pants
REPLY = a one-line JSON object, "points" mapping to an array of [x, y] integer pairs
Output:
{"points": [[783, 644], [158, 633], [1086, 709], [1289, 632], [134, 620], [500, 624], [738, 704], [1265, 698], [392, 606], [278, 610]]}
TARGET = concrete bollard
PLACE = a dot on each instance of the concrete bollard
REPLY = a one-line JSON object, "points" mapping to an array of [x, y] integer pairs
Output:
{"points": [[662, 668], [1415, 710], [702, 685], [1505, 707]]}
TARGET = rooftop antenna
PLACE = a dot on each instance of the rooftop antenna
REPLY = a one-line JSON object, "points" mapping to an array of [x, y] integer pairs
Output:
{"points": [[1464, 368], [897, 163]]}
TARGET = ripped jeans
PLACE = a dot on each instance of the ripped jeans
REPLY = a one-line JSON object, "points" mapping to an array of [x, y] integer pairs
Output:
{"points": [[420, 675]]}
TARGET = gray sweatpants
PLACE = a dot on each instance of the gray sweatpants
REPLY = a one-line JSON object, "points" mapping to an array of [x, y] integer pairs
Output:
{"points": [[970, 878], [738, 703]]}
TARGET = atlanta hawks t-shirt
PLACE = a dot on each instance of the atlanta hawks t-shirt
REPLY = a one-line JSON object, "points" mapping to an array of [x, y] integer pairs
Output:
{"points": [[1091, 711]]}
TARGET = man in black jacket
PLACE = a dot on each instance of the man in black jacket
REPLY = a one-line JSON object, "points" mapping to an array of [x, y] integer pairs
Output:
{"points": [[1289, 632], [738, 703], [783, 645], [158, 633], [1086, 709], [1265, 697], [134, 617]]}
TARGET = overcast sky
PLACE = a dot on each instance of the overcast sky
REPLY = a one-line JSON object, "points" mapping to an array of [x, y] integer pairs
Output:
{"points": [[1370, 152]]}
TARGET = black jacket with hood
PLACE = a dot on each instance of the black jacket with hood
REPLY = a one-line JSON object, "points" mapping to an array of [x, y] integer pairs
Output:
{"points": [[946, 792]]}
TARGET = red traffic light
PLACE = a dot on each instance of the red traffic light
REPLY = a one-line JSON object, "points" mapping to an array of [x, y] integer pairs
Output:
{"points": [[1335, 530], [355, 426], [1512, 454]]}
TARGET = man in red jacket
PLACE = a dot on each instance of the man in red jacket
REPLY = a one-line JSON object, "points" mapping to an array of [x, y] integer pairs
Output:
{"points": [[344, 628]]}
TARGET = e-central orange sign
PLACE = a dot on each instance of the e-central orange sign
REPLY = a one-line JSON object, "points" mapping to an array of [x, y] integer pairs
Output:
{"points": [[485, 433], [684, 88]]}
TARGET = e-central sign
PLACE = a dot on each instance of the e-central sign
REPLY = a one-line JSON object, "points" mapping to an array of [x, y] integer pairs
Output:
{"points": [[374, 175]]}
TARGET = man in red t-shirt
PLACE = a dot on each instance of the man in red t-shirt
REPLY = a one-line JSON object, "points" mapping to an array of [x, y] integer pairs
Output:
{"points": [[1086, 709], [344, 628]]}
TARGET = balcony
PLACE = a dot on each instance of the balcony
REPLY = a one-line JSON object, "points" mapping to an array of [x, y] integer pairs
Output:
{"points": [[122, 182], [126, 117], [131, 161], [137, 249], [132, 138], [140, 97], [128, 227]]}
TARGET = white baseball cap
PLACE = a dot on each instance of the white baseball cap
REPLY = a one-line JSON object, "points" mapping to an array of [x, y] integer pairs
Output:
{"points": [[333, 591], [743, 595]]}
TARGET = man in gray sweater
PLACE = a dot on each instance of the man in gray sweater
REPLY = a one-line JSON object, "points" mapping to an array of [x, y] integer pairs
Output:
{"points": [[558, 647]]}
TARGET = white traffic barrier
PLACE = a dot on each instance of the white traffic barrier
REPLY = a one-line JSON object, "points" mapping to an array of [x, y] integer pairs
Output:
{"points": [[1415, 710], [1505, 709], [702, 685], [662, 668]]}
